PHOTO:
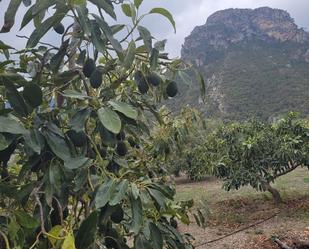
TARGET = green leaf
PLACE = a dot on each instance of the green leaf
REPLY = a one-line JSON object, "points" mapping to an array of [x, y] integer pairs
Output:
{"points": [[125, 109], [166, 14], [104, 193], [126, 9], [79, 119], [157, 196], [76, 163], [55, 176], [121, 190], [137, 215], [141, 242], [83, 19], [108, 33], [38, 33], [130, 56], [109, 119], [25, 220], [11, 125], [13, 79], [3, 142], [137, 3], [74, 94], [154, 59], [34, 140], [106, 5], [57, 144], [15, 99], [35, 10], [57, 59], [156, 236], [146, 36], [96, 37], [85, 236], [33, 95], [69, 242], [9, 16]]}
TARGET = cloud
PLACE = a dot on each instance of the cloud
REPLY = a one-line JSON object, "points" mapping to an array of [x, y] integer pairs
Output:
{"points": [[187, 14]]}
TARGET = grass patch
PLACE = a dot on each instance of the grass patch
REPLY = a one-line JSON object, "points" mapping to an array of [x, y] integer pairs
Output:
{"points": [[235, 208]]}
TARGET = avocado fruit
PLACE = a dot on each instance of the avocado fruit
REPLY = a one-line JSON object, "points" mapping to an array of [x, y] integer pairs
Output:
{"points": [[59, 28], [172, 89], [113, 167], [89, 67], [117, 215], [153, 79], [121, 148], [141, 82], [79, 139], [111, 243], [96, 79]]}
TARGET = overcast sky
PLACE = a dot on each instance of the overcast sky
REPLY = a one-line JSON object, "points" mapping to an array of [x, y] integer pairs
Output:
{"points": [[187, 14]]}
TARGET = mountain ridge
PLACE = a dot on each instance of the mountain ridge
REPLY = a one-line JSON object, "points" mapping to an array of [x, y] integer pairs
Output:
{"points": [[255, 62]]}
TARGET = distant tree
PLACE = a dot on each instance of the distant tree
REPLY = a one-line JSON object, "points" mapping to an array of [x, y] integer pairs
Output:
{"points": [[256, 154]]}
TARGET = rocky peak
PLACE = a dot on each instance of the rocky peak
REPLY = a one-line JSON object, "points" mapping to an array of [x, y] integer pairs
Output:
{"points": [[232, 26]]}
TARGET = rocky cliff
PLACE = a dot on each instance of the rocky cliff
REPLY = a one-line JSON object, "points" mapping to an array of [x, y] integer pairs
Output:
{"points": [[255, 62]]}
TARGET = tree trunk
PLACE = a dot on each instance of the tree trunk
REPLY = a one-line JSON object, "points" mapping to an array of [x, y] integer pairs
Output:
{"points": [[274, 192]]}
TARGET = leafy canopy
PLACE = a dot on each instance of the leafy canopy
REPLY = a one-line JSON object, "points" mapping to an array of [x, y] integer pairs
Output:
{"points": [[74, 120]]}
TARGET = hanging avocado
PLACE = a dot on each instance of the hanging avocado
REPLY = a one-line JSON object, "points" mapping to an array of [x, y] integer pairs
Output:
{"points": [[89, 67], [96, 79], [59, 28], [154, 79], [141, 82], [121, 149], [113, 167], [117, 215], [78, 138], [172, 89]]}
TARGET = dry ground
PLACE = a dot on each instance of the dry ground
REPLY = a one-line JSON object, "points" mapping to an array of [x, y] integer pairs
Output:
{"points": [[232, 211]]}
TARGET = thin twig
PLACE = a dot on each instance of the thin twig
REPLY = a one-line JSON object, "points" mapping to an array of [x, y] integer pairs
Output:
{"points": [[43, 43]]}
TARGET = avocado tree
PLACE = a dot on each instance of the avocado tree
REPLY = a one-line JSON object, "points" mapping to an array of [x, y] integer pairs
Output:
{"points": [[73, 174], [256, 154]]}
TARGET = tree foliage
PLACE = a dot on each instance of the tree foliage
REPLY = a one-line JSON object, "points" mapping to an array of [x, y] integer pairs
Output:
{"points": [[256, 153], [74, 120]]}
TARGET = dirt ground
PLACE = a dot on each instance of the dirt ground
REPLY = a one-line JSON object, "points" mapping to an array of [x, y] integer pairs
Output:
{"points": [[229, 212]]}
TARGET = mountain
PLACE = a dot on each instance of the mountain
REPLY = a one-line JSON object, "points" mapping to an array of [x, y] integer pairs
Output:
{"points": [[255, 63]]}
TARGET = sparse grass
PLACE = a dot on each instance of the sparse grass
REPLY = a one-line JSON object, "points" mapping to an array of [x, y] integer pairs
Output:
{"points": [[229, 211], [294, 184], [246, 205]]}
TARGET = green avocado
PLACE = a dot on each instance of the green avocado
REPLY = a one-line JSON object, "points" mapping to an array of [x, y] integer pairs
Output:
{"points": [[121, 149], [89, 67], [141, 82], [117, 215], [172, 89], [154, 79], [96, 79], [59, 28], [113, 167]]}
